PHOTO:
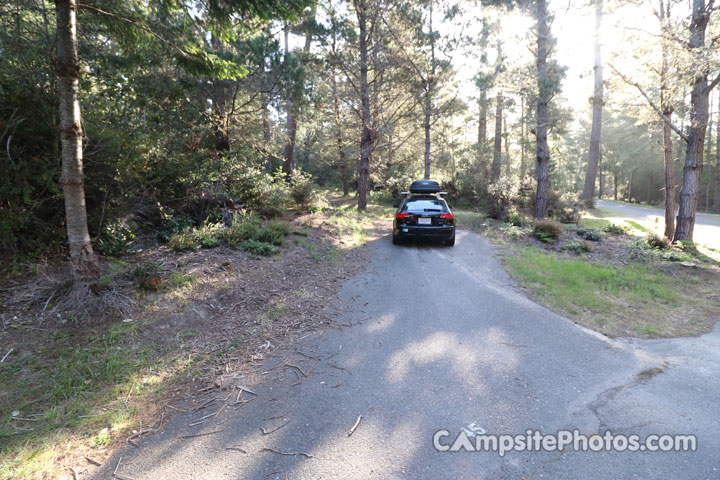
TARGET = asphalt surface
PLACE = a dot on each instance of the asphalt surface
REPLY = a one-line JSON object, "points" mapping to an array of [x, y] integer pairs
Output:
{"points": [[446, 341], [707, 225]]}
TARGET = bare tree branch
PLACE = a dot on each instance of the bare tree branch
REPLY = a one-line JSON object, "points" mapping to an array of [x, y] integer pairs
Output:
{"points": [[652, 104]]}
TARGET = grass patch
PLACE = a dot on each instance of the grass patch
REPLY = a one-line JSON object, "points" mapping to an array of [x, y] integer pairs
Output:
{"points": [[637, 227], [73, 385], [602, 295], [594, 223], [577, 285]]}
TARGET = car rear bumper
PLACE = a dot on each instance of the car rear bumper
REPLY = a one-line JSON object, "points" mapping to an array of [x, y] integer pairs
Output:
{"points": [[430, 232]]}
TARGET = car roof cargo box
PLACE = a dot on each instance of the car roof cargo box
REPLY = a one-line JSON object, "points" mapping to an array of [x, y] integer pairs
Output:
{"points": [[424, 186]]}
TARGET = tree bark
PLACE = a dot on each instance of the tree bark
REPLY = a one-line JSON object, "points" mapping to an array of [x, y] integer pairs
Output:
{"points": [[523, 165], [615, 185], [83, 260], [717, 162], [542, 151], [482, 122], [265, 112], [429, 86], [595, 133], [667, 109], [366, 140], [496, 169], [601, 178], [338, 132], [699, 101], [290, 119]]}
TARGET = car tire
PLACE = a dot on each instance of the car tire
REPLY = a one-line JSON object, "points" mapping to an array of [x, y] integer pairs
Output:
{"points": [[396, 240], [450, 242]]}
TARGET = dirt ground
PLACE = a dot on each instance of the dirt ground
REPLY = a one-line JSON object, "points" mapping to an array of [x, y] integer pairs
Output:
{"points": [[221, 310]]}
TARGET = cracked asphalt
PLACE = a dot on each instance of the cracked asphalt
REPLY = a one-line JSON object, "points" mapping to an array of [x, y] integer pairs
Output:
{"points": [[440, 338]]}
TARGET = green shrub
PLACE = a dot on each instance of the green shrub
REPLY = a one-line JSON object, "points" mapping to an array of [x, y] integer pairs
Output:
{"points": [[114, 239], [500, 195], [566, 213], [208, 235], [147, 276], [589, 234], [250, 227], [515, 232], [515, 219], [258, 248], [243, 227], [181, 241], [577, 247], [657, 241], [547, 231], [173, 224], [271, 195], [302, 188], [616, 229]]}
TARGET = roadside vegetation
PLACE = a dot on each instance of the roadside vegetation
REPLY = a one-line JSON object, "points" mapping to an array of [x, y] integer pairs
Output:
{"points": [[192, 303], [615, 277]]}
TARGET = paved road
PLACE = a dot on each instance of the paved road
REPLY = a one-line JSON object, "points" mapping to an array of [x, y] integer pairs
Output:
{"points": [[445, 341], [707, 225]]}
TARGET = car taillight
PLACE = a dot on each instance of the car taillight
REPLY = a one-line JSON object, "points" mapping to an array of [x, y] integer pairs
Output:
{"points": [[402, 215], [447, 216]]}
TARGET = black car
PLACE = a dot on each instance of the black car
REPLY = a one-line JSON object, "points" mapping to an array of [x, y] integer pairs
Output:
{"points": [[424, 214]]}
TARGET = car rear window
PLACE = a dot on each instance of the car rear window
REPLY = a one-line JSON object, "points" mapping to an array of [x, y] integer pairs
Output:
{"points": [[424, 205]]}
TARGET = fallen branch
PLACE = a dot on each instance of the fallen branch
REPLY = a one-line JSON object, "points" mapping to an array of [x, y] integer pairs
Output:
{"points": [[266, 449], [238, 449], [274, 429], [94, 462], [299, 369], [200, 434], [6, 355], [240, 387], [354, 427]]}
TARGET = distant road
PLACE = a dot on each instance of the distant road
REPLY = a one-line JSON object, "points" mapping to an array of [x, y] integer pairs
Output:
{"points": [[707, 225]]}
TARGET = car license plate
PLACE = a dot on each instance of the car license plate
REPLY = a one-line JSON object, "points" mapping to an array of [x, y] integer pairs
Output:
{"points": [[424, 221]]}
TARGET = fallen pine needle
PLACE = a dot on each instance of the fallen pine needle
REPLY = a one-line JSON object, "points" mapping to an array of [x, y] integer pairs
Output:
{"points": [[6, 355], [299, 369], [274, 429], [200, 434], [238, 449], [354, 427], [240, 387], [286, 453]]}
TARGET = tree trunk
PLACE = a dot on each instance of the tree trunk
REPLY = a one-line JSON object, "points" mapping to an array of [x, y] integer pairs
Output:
{"points": [[595, 133], [366, 140], [497, 150], [265, 100], [83, 259], [615, 185], [338, 132], [601, 183], [429, 87], [523, 165], [699, 101], [667, 110], [507, 148], [482, 122], [543, 151], [290, 121], [717, 161]]}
